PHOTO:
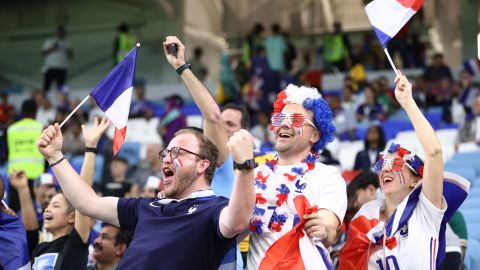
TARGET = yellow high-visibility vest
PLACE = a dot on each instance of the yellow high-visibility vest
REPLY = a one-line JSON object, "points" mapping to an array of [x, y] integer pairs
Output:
{"points": [[125, 45], [22, 152], [334, 48]]}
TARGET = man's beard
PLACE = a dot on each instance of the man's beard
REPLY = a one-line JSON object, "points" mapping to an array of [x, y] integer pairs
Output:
{"points": [[184, 178]]}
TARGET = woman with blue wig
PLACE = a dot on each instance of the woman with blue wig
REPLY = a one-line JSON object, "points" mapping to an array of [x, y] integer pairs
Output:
{"points": [[300, 202], [406, 230]]}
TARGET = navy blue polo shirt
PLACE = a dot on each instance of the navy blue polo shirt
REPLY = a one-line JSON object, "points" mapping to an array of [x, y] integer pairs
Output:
{"points": [[172, 234]]}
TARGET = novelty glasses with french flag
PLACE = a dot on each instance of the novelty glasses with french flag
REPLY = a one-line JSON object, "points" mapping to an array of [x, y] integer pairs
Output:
{"points": [[294, 119]]}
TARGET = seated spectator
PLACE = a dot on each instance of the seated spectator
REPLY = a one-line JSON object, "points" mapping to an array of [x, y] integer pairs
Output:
{"points": [[453, 110], [469, 92], [420, 92], [374, 143], [46, 111], [151, 166], [363, 188], [109, 247], [470, 131], [152, 187], [172, 119], [436, 71], [437, 96], [370, 109], [140, 107], [386, 96], [74, 144], [262, 130], [44, 189], [117, 185], [340, 118]]}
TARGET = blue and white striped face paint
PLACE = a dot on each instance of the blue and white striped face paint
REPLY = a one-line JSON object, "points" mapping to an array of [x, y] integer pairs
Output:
{"points": [[300, 131], [178, 163]]}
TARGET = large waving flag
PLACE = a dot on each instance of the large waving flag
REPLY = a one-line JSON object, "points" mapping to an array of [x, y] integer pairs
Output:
{"points": [[389, 16], [114, 95], [13, 244]]}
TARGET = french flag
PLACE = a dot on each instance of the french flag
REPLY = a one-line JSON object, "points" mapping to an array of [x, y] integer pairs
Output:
{"points": [[114, 95], [389, 16], [13, 244]]}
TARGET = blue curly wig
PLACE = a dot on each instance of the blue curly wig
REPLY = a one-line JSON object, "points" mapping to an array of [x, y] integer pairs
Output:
{"points": [[323, 118]]}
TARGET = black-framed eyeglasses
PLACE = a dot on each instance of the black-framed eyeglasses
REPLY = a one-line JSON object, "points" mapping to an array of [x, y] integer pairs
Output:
{"points": [[174, 153]]}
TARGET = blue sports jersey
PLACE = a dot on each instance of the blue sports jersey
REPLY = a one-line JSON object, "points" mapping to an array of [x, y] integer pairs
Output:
{"points": [[171, 234]]}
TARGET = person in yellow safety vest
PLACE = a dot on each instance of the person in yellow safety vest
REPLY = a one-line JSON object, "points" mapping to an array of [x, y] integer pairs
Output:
{"points": [[22, 152], [124, 43], [336, 48]]}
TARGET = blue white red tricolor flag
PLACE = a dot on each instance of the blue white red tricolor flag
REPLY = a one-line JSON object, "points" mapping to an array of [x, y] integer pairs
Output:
{"points": [[389, 16], [13, 244], [366, 232], [114, 95]]}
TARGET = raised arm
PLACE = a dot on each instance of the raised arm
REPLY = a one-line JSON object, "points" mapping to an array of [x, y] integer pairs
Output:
{"points": [[234, 218], [433, 168], [79, 193], [213, 124], [92, 136], [18, 180]]}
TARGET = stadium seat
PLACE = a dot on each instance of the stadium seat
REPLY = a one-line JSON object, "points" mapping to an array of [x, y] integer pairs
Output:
{"points": [[348, 152], [195, 121], [464, 171], [473, 230], [77, 162], [131, 152], [472, 260], [471, 215], [470, 203]]}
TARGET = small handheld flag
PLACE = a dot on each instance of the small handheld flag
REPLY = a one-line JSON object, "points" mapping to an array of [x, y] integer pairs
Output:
{"points": [[114, 94], [388, 17]]}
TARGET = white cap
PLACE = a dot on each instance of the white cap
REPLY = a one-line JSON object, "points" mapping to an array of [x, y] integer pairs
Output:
{"points": [[152, 182], [46, 179]]}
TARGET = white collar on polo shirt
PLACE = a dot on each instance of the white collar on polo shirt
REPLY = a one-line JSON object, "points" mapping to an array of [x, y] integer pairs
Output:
{"points": [[195, 194]]}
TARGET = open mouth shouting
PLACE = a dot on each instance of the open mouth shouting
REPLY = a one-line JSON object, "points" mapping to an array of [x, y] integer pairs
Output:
{"points": [[168, 174], [284, 134]]}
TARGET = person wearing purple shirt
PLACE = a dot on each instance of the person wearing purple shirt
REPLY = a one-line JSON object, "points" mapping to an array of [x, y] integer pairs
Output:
{"points": [[172, 119]]}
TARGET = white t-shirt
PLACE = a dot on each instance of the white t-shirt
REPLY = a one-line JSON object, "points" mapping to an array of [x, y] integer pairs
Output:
{"points": [[57, 58], [417, 242], [323, 186]]}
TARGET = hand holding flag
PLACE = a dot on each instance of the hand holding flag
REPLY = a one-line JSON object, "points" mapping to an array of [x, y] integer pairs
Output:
{"points": [[114, 94]]}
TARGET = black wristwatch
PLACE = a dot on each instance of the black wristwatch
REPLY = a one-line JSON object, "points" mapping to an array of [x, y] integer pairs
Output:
{"points": [[247, 165], [181, 68]]}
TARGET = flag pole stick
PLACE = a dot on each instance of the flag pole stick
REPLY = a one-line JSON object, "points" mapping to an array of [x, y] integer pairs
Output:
{"points": [[74, 110], [390, 60], [5, 204]]}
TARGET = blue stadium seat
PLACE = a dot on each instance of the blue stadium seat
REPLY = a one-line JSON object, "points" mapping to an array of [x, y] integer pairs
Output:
{"points": [[435, 118], [131, 152], [77, 162], [392, 127], [473, 230], [472, 260], [471, 215], [466, 172], [475, 191], [470, 203]]}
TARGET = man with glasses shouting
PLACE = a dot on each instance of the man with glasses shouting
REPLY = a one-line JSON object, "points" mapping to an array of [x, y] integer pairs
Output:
{"points": [[190, 228], [300, 202]]}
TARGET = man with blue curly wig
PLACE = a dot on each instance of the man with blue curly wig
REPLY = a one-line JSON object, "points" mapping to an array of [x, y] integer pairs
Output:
{"points": [[300, 202]]}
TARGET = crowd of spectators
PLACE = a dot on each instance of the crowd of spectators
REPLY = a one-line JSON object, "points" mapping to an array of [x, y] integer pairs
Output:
{"points": [[268, 63]]}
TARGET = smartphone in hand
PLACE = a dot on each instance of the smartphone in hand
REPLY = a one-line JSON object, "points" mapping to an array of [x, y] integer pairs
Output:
{"points": [[172, 49]]}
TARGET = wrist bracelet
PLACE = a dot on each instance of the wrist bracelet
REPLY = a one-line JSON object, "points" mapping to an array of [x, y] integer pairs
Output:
{"points": [[91, 149], [181, 68], [57, 162]]}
